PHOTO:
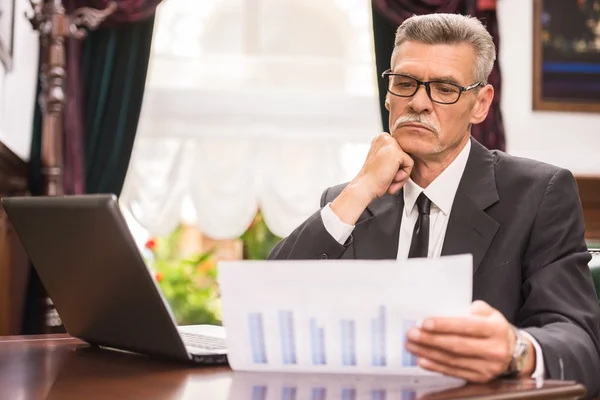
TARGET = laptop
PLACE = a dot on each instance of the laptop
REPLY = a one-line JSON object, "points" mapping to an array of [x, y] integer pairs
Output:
{"points": [[92, 269]]}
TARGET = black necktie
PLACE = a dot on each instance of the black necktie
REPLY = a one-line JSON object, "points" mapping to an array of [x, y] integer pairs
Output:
{"points": [[420, 238]]}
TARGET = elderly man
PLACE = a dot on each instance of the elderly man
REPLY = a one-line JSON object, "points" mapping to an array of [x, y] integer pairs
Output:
{"points": [[428, 189]]}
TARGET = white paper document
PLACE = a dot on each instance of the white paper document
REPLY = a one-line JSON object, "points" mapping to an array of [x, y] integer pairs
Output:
{"points": [[338, 316]]}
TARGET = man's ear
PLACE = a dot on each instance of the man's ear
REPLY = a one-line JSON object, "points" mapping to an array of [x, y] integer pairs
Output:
{"points": [[387, 102], [482, 104]]}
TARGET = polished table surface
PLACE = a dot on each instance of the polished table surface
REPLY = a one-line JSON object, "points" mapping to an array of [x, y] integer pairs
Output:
{"points": [[61, 367]]}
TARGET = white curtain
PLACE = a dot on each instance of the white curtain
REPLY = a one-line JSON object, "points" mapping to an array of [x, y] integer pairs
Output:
{"points": [[251, 103]]}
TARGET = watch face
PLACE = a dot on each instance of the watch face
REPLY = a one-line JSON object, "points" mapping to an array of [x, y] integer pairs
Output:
{"points": [[522, 361]]}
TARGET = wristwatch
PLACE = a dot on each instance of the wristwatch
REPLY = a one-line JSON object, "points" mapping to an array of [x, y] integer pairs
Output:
{"points": [[520, 354]]}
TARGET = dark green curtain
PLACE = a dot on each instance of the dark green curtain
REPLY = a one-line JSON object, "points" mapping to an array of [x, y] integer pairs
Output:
{"points": [[384, 34], [112, 64], [114, 68]]}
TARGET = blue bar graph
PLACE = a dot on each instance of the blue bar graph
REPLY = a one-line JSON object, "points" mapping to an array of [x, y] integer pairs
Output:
{"points": [[408, 395], [317, 343], [378, 339], [408, 359], [288, 342], [348, 394], [378, 394], [259, 393], [348, 328], [319, 394], [257, 338], [288, 393]]}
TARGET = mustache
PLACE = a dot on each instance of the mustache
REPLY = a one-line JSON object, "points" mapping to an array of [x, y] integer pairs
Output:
{"points": [[416, 118]]}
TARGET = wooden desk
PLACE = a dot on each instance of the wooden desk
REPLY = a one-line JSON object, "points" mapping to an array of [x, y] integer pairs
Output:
{"points": [[59, 367]]}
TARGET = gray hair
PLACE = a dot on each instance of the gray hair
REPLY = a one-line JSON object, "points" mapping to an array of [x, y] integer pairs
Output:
{"points": [[451, 29]]}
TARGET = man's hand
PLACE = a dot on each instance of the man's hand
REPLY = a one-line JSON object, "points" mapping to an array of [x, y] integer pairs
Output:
{"points": [[477, 348], [386, 169]]}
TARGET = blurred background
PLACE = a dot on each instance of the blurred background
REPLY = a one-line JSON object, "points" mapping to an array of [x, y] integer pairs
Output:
{"points": [[219, 123]]}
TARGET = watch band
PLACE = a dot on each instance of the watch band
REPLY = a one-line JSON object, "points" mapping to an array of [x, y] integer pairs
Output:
{"points": [[520, 354]]}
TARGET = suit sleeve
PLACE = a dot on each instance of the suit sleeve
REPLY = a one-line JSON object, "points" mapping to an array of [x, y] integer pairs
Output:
{"points": [[310, 240], [561, 310]]}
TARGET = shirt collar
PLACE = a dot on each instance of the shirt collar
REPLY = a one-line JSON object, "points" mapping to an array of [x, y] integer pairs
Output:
{"points": [[443, 189]]}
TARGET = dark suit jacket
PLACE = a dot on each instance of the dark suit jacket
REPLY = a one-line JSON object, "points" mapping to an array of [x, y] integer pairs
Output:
{"points": [[522, 221]]}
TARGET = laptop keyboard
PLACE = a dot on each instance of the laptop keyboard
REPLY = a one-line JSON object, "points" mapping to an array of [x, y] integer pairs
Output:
{"points": [[202, 342]]}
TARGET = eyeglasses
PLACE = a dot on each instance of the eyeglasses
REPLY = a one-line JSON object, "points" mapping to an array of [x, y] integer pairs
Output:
{"points": [[441, 92]]}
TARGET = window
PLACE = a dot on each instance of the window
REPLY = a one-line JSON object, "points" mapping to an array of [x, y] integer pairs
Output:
{"points": [[251, 103]]}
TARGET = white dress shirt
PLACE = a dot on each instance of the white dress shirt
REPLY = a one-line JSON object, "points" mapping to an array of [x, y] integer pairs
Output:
{"points": [[441, 192]]}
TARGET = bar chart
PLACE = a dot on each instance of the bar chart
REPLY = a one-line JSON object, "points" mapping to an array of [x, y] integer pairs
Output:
{"points": [[348, 394], [287, 336], [408, 359], [348, 341], [289, 393], [372, 332], [408, 395], [257, 338], [378, 394], [318, 394], [378, 351], [259, 392], [317, 343]]}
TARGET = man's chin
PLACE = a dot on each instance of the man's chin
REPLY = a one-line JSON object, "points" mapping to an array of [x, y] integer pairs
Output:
{"points": [[416, 145]]}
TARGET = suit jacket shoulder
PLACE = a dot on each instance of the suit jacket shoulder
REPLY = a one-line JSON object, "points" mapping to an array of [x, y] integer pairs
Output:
{"points": [[519, 171]]}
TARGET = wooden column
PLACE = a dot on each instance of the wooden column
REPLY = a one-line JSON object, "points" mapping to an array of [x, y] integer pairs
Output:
{"points": [[55, 27], [52, 99]]}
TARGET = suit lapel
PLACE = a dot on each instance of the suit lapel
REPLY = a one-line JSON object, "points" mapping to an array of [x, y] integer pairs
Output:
{"points": [[376, 236], [470, 228]]}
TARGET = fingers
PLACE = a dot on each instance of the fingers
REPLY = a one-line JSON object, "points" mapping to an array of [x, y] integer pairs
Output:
{"points": [[459, 346], [407, 162], [379, 137], [479, 307], [395, 187], [401, 176], [474, 347], [479, 324], [463, 362], [382, 138], [399, 181], [451, 344], [473, 326], [442, 357], [387, 167], [405, 166], [478, 371]]}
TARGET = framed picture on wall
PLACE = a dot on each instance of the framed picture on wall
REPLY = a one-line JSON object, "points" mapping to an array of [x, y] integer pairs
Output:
{"points": [[566, 60], [7, 24]]}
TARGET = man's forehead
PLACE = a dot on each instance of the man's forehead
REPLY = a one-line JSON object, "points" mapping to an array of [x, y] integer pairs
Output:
{"points": [[438, 59]]}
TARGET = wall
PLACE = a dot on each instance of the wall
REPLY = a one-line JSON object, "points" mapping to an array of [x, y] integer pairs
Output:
{"points": [[570, 140], [17, 87]]}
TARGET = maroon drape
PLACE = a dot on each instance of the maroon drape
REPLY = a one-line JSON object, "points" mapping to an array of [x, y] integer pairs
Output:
{"points": [[128, 11], [490, 132], [73, 137]]}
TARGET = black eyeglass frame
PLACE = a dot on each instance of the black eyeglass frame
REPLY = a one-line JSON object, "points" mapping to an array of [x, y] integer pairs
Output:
{"points": [[461, 89]]}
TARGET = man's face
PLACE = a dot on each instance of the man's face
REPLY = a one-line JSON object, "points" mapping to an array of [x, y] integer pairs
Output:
{"points": [[425, 129]]}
